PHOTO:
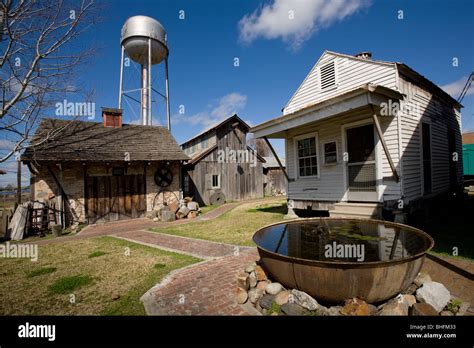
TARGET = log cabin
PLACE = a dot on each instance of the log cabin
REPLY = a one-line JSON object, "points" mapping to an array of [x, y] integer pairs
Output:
{"points": [[103, 171], [367, 138]]}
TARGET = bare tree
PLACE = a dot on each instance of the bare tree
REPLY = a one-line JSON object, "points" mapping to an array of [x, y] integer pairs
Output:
{"points": [[40, 57]]}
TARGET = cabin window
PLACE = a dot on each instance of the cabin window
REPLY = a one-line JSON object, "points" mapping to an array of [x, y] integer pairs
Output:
{"points": [[330, 153], [328, 75], [216, 181], [307, 157], [186, 183]]}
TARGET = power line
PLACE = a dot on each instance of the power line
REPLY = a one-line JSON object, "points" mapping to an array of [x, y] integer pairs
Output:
{"points": [[466, 87]]}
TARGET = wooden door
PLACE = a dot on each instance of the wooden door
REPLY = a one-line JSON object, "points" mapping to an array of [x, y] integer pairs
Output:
{"points": [[110, 198]]}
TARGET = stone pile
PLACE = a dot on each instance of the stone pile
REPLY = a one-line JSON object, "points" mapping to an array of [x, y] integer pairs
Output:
{"points": [[186, 208], [423, 297]]}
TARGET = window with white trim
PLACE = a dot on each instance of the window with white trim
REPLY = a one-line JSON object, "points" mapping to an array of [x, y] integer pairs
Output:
{"points": [[330, 152], [216, 181], [307, 158]]}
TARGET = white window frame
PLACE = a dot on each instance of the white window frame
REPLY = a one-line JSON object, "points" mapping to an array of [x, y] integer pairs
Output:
{"points": [[318, 157], [335, 77], [324, 152], [218, 181]]}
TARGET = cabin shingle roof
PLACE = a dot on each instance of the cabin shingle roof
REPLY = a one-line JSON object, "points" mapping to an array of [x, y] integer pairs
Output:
{"points": [[91, 141]]}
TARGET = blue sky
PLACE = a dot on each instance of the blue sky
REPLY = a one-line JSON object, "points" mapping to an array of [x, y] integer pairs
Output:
{"points": [[275, 55]]}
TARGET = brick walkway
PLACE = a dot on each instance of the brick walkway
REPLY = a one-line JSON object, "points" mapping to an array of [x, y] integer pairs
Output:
{"points": [[122, 226], [205, 288], [196, 247], [458, 285]]}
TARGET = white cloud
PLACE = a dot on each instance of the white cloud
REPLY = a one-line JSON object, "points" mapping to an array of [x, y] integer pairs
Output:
{"points": [[454, 89], [273, 21], [225, 107]]}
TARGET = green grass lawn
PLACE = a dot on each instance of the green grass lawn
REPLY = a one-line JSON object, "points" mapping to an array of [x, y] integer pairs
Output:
{"points": [[236, 226], [81, 278]]}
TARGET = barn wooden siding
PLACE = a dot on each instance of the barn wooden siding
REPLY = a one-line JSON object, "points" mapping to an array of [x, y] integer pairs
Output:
{"points": [[238, 181]]}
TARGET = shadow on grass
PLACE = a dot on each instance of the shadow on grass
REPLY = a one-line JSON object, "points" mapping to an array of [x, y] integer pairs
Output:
{"points": [[267, 208], [450, 221]]}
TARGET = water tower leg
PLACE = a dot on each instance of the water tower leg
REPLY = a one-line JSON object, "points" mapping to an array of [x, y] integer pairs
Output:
{"points": [[121, 80], [144, 97], [149, 82], [167, 96]]}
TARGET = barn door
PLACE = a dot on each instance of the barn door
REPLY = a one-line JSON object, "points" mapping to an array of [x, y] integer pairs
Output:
{"points": [[361, 166], [111, 198]]}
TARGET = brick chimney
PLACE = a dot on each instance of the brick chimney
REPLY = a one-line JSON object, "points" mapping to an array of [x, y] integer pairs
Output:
{"points": [[364, 55], [112, 117]]}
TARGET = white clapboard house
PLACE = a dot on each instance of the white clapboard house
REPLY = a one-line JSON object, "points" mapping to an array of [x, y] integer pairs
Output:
{"points": [[363, 136]]}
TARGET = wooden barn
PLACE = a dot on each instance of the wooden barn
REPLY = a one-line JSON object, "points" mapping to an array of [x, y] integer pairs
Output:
{"points": [[222, 166], [365, 137], [97, 172]]}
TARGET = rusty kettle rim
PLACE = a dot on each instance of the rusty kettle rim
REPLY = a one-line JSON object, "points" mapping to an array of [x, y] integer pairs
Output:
{"points": [[355, 264]]}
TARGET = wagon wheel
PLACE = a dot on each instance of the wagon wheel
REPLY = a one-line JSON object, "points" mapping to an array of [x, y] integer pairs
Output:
{"points": [[163, 177], [164, 197]]}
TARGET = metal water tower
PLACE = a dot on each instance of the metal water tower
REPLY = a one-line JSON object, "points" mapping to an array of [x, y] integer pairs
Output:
{"points": [[144, 41]]}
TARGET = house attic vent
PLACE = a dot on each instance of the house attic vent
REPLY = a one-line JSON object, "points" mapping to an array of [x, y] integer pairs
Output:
{"points": [[328, 75]]}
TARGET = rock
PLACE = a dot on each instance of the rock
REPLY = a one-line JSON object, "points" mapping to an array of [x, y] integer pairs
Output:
{"points": [[115, 296], [434, 294], [273, 288], [446, 314], [193, 206], [334, 310], [243, 280], [282, 297], [167, 215], [372, 309], [56, 230], [241, 295], [293, 309], [410, 300], [151, 214], [261, 275], [255, 295], [421, 279], [187, 199], [173, 206], [396, 306], [183, 211], [463, 309], [262, 285], [156, 219], [250, 267], [303, 299], [266, 301], [192, 214], [321, 311], [355, 306], [253, 280], [421, 309], [410, 290]]}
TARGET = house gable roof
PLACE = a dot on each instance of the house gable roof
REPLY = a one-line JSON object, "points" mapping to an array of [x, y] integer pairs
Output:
{"points": [[234, 117], [66, 140], [415, 77]]}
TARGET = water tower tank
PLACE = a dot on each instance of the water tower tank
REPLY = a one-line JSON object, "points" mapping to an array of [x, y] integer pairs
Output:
{"points": [[135, 35]]}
